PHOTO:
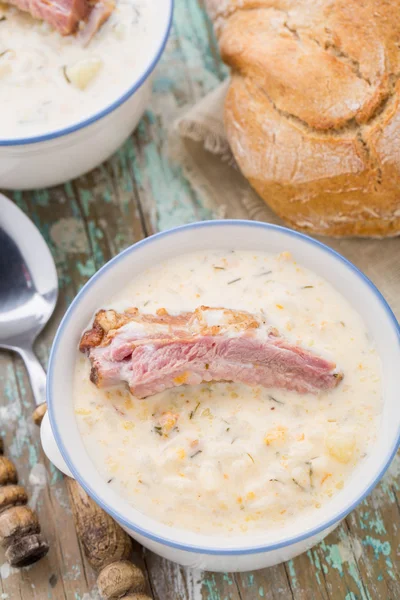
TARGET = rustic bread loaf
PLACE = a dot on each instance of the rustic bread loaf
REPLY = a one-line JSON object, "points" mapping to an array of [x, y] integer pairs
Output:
{"points": [[312, 114]]}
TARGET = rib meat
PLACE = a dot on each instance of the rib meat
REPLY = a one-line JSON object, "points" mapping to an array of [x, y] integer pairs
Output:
{"points": [[66, 15], [154, 352]]}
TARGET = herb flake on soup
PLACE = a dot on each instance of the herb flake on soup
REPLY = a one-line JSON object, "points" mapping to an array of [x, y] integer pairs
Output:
{"points": [[230, 458]]}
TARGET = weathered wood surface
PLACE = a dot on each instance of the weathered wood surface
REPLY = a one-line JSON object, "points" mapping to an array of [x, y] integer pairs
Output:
{"points": [[86, 222]]}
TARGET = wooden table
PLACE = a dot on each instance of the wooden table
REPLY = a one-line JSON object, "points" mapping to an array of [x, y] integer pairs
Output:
{"points": [[86, 222]]}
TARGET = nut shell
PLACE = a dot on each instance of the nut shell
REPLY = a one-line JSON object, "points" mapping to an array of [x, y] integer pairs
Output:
{"points": [[8, 472], [39, 413], [103, 540], [27, 550], [135, 596], [17, 522], [12, 495], [119, 578]]}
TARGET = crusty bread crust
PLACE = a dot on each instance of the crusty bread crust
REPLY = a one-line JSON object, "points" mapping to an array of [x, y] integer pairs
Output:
{"points": [[313, 110]]}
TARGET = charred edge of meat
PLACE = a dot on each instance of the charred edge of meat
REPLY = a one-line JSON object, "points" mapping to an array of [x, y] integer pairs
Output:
{"points": [[108, 320], [91, 338], [94, 375], [104, 321]]}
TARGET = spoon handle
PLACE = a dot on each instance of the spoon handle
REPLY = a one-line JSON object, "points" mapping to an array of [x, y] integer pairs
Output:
{"points": [[37, 378]]}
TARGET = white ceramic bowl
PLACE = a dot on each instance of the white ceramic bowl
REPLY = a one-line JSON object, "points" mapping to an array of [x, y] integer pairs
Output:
{"points": [[216, 552], [58, 156]]}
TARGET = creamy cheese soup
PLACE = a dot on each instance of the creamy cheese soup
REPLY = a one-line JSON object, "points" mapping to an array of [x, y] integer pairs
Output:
{"points": [[50, 82], [223, 457]]}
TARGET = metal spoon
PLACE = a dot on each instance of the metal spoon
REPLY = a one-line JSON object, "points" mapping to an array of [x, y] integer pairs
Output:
{"points": [[28, 290]]}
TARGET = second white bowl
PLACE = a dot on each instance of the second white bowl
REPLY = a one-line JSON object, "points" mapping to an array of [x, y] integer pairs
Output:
{"points": [[58, 156]]}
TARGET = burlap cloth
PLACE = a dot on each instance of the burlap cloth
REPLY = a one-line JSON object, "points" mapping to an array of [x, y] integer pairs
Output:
{"points": [[200, 146]]}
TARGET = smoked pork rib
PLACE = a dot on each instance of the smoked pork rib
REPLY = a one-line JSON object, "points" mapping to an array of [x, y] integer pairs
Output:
{"points": [[154, 352], [66, 15]]}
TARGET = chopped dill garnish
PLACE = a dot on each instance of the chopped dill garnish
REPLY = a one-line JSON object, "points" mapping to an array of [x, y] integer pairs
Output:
{"points": [[276, 480], [64, 70], [234, 280], [158, 430], [310, 473], [297, 483], [146, 303], [275, 400], [110, 480], [219, 268], [196, 453], [307, 287], [251, 458], [193, 412], [228, 429], [263, 273]]}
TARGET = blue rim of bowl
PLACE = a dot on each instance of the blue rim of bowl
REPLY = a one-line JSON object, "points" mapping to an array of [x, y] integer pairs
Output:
{"points": [[110, 108], [148, 534]]}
